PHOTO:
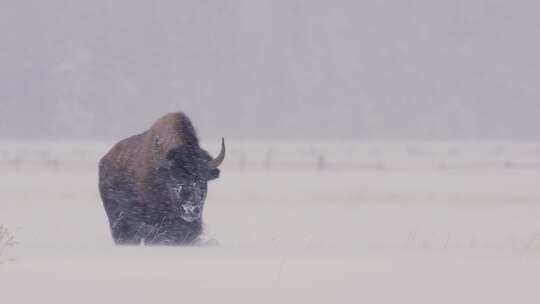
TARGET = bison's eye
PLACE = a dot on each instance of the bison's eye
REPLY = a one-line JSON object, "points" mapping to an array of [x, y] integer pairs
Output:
{"points": [[178, 190], [213, 174]]}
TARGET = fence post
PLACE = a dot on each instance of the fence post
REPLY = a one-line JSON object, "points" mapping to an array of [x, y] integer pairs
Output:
{"points": [[321, 162], [242, 161], [17, 162], [269, 157]]}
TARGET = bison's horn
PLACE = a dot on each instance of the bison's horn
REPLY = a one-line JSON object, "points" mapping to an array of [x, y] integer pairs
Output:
{"points": [[214, 163]]}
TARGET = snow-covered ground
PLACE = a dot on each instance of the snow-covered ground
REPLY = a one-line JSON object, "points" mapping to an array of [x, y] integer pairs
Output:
{"points": [[308, 234]]}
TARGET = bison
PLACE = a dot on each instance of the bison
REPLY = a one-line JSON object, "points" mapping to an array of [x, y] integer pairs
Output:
{"points": [[153, 185]]}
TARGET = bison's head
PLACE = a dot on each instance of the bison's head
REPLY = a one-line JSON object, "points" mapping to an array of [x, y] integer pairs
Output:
{"points": [[188, 171]]}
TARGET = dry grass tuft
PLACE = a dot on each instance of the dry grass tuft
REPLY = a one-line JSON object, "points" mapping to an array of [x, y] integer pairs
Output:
{"points": [[7, 239]]}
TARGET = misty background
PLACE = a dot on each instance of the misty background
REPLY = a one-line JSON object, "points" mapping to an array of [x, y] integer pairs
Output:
{"points": [[433, 70]]}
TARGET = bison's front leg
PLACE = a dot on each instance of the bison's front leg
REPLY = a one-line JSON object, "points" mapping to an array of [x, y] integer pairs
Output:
{"points": [[128, 224], [123, 213], [173, 232], [125, 230]]}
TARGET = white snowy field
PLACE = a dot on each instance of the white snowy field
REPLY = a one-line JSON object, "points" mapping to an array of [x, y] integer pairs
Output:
{"points": [[406, 235]]}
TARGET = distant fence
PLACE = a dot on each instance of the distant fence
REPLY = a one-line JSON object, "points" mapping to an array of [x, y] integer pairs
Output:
{"points": [[383, 156], [303, 155]]}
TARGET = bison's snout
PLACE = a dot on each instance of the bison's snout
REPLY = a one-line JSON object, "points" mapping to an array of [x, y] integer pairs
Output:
{"points": [[193, 210], [189, 198], [191, 213]]}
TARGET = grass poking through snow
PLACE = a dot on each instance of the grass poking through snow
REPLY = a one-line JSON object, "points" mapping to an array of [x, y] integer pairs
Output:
{"points": [[7, 239]]}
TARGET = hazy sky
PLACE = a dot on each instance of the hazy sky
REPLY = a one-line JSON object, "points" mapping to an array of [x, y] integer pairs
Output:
{"points": [[455, 69]]}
